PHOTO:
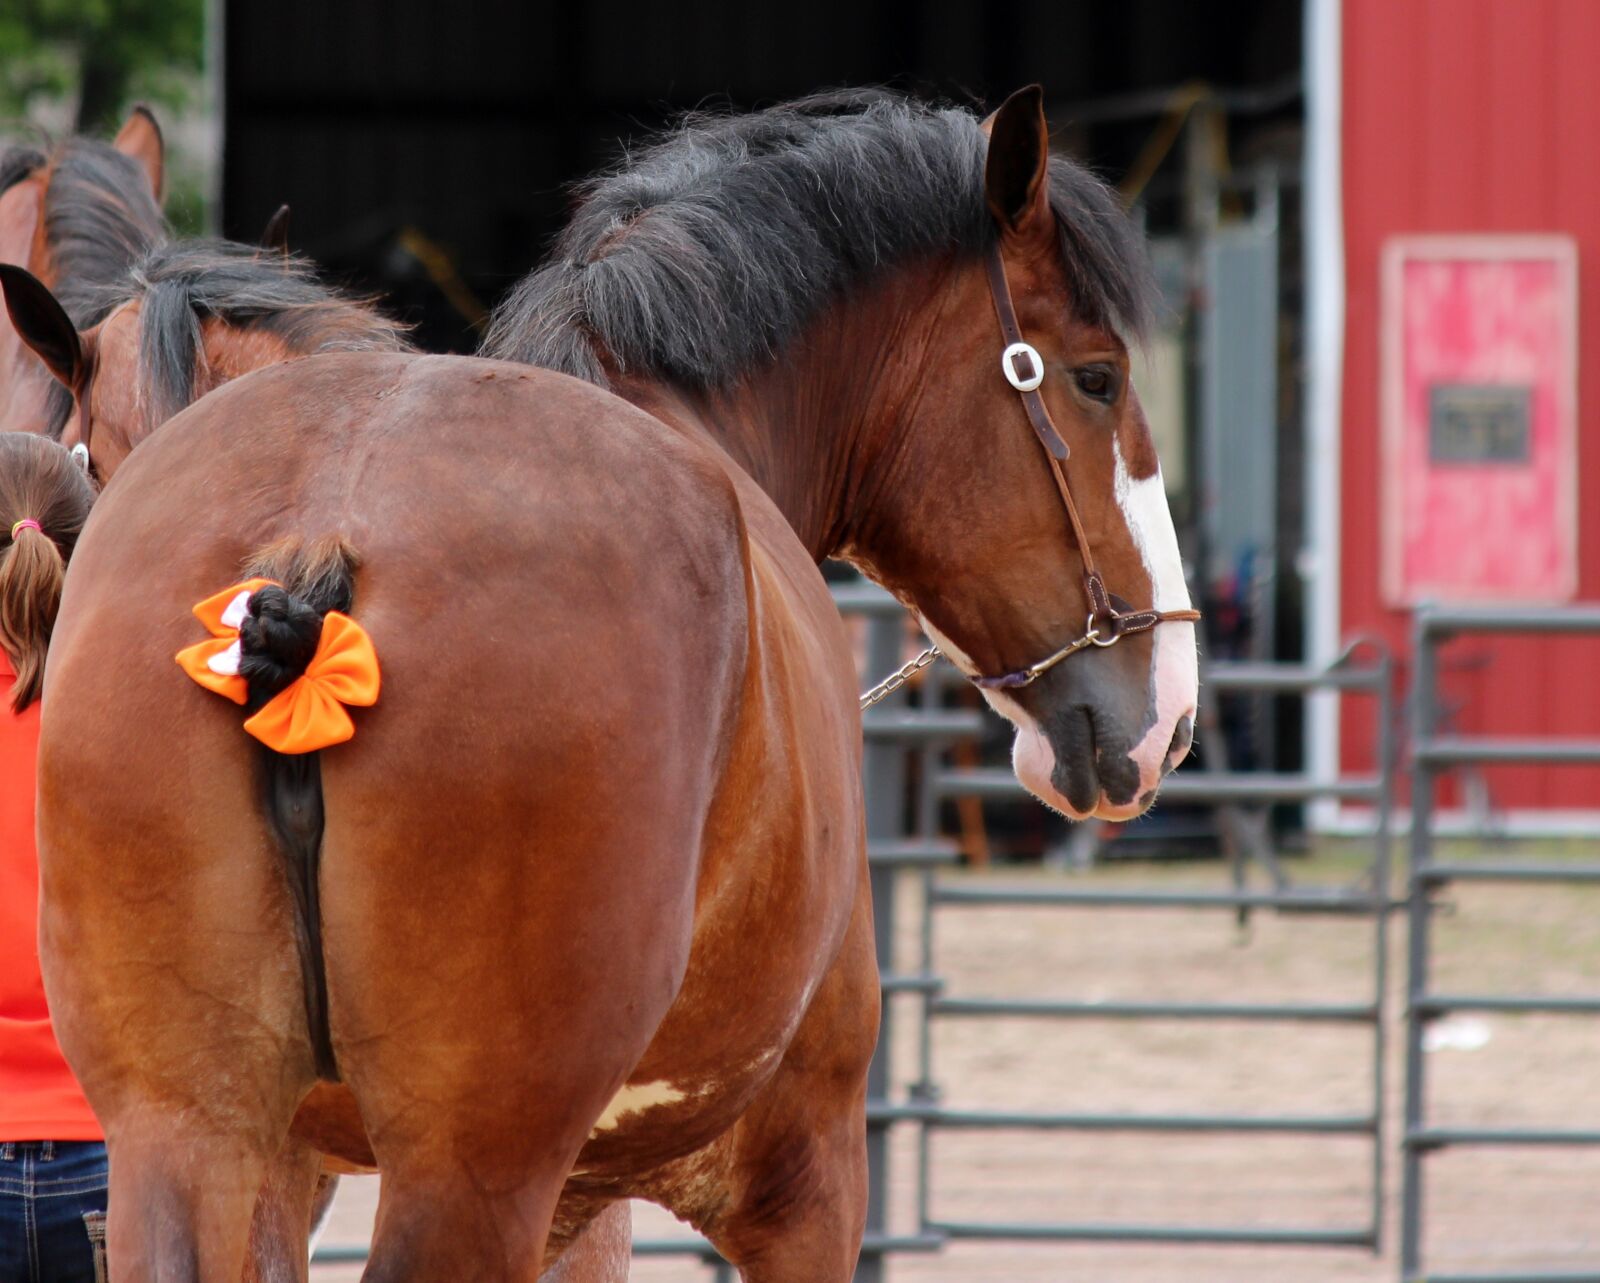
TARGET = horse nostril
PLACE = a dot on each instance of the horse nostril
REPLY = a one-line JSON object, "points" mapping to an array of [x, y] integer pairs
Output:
{"points": [[1182, 737]]}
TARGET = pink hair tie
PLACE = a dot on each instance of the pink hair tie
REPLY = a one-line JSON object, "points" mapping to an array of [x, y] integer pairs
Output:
{"points": [[27, 523]]}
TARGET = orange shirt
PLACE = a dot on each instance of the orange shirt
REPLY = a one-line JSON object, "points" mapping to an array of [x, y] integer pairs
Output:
{"points": [[39, 1098]]}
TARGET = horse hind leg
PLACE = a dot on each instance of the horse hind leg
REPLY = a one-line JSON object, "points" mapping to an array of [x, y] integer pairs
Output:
{"points": [[184, 1197], [602, 1252], [448, 1222], [797, 1171], [294, 1200], [194, 1066], [180, 1208], [803, 1205]]}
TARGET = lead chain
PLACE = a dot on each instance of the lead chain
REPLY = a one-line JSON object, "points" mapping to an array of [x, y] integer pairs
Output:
{"points": [[895, 680]]}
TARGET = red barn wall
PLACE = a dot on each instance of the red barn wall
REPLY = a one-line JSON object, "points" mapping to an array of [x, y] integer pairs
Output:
{"points": [[1472, 116]]}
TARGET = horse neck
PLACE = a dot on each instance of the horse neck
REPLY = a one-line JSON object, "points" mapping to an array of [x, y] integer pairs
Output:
{"points": [[234, 350], [809, 426], [125, 409]]}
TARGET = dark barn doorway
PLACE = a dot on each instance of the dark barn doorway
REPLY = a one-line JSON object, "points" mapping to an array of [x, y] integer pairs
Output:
{"points": [[465, 123]]}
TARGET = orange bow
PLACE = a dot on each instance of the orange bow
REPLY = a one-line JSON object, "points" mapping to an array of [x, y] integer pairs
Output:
{"points": [[208, 662], [309, 713]]}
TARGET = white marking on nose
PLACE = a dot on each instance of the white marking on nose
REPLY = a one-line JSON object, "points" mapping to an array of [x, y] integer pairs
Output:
{"points": [[635, 1098], [1174, 664], [1144, 508]]}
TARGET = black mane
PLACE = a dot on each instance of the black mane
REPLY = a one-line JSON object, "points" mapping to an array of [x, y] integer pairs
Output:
{"points": [[705, 253], [17, 163], [180, 284]]}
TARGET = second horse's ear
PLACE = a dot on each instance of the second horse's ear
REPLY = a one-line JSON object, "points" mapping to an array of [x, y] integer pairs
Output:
{"points": [[1016, 176], [42, 323], [275, 236], [140, 138]]}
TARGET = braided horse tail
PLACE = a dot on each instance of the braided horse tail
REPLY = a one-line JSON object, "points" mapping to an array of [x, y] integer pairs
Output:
{"points": [[277, 642]]}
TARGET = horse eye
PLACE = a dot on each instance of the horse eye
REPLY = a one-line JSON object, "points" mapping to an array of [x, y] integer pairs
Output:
{"points": [[1095, 381]]}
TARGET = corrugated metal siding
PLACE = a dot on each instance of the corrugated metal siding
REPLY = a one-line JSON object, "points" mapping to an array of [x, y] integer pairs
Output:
{"points": [[1473, 116]]}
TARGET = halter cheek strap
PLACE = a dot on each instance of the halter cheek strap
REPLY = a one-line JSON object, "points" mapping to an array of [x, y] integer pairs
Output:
{"points": [[1027, 386], [1019, 350]]}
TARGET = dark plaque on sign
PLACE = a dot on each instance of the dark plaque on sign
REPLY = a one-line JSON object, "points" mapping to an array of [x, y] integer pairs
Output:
{"points": [[1479, 423]]}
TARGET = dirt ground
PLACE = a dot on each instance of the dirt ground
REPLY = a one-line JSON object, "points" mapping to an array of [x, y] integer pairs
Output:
{"points": [[1500, 1209]]}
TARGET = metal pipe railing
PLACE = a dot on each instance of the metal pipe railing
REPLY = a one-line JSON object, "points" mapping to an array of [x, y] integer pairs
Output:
{"points": [[1432, 754], [1374, 678]]}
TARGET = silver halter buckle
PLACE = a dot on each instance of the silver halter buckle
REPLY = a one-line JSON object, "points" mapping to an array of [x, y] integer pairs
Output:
{"points": [[1008, 366]]}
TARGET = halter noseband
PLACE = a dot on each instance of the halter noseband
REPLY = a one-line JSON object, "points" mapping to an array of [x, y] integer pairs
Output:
{"points": [[1023, 368]]}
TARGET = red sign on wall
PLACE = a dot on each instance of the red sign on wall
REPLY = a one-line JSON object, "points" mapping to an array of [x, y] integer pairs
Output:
{"points": [[1479, 388]]}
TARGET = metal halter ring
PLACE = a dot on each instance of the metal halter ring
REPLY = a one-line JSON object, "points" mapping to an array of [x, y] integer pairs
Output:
{"points": [[1093, 634], [1008, 366], [80, 455]]}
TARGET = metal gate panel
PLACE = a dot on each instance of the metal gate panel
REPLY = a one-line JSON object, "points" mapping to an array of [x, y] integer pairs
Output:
{"points": [[1370, 900], [1432, 754]]}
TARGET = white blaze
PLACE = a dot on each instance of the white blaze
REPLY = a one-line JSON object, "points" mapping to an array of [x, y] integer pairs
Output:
{"points": [[1174, 663], [1144, 508]]}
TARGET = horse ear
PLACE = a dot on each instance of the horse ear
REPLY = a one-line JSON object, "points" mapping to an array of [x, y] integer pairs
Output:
{"points": [[140, 138], [1016, 174], [43, 325], [275, 236]]}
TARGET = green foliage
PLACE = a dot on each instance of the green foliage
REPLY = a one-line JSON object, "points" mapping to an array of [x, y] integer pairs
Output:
{"points": [[108, 51]]}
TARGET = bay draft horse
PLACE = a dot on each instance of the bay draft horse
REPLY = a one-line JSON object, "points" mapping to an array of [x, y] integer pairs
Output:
{"points": [[76, 217], [582, 913]]}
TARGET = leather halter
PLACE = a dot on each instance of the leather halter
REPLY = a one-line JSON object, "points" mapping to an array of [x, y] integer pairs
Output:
{"points": [[1106, 625]]}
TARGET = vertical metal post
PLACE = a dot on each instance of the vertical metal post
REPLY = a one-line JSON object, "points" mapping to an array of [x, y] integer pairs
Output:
{"points": [[1382, 878], [1418, 914], [883, 779], [923, 1090]]}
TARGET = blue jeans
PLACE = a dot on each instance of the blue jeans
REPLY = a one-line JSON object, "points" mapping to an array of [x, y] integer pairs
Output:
{"points": [[52, 1211]]}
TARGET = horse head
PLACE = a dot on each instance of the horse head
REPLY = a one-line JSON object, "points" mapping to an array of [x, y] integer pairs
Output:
{"points": [[75, 217], [1024, 518], [187, 318]]}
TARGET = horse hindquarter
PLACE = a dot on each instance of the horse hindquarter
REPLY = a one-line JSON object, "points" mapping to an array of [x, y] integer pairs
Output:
{"points": [[512, 841]]}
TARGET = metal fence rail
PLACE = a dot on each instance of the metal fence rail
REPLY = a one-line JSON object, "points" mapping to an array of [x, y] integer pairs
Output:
{"points": [[1432, 754], [1369, 899]]}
